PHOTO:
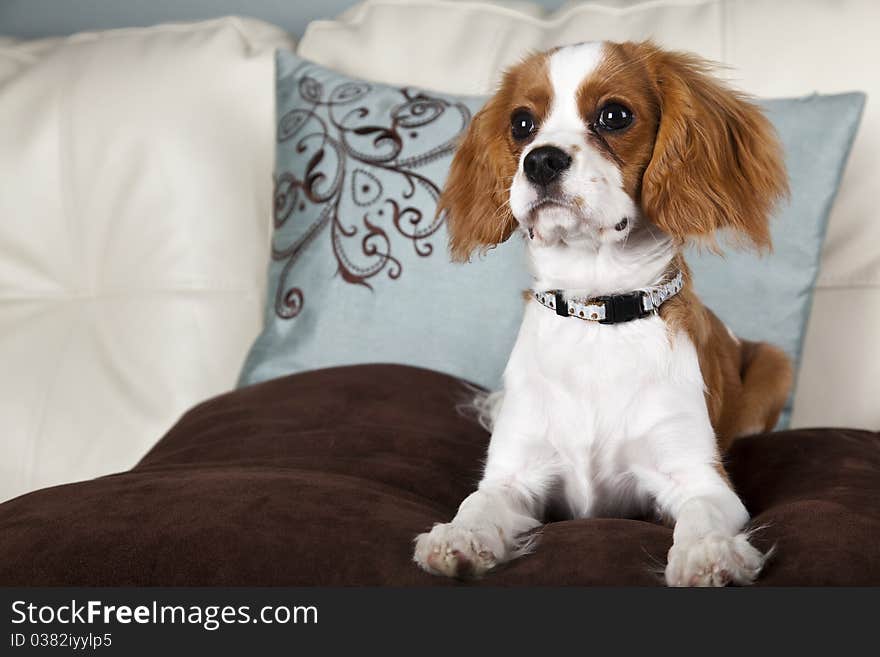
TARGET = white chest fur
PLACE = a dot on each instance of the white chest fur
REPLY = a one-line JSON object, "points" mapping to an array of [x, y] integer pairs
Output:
{"points": [[600, 402]]}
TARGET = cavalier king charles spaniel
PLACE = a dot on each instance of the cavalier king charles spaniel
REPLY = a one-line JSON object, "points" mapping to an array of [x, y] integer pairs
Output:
{"points": [[622, 391]]}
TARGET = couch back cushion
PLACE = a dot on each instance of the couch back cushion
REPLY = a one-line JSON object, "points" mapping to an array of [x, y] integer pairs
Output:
{"points": [[783, 48], [136, 206]]}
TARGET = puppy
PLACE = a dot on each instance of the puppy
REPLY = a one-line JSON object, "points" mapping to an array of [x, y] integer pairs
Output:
{"points": [[622, 391]]}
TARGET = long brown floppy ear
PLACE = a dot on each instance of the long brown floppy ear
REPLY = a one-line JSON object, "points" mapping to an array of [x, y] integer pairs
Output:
{"points": [[717, 162], [475, 198]]}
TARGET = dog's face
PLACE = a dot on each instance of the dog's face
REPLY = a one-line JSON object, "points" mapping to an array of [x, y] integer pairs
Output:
{"points": [[585, 144], [580, 157]]}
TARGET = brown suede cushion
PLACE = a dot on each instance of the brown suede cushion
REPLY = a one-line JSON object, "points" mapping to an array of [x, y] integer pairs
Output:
{"points": [[325, 478]]}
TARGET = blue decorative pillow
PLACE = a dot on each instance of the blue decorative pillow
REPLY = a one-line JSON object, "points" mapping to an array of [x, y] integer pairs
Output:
{"points": [[360, 272]]}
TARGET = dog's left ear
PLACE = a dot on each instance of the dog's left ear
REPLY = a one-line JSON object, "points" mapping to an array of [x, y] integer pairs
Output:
{"points": [[717, 162]]}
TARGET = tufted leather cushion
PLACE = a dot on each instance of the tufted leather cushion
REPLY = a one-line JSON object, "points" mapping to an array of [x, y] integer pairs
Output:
{"points": [[324, 478], [135, 207]]}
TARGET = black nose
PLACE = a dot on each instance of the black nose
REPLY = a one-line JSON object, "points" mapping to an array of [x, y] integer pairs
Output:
{"points": [[544, 164]]}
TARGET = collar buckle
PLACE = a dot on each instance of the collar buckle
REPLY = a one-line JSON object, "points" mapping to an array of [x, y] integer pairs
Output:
{"points": [[622, 308]]}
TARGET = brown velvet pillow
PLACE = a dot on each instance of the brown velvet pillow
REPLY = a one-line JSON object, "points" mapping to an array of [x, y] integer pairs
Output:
{"points": [[324, 478]]}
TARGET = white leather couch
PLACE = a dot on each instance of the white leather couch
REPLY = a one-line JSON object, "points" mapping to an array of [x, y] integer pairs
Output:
{"points": [[135, 198]]}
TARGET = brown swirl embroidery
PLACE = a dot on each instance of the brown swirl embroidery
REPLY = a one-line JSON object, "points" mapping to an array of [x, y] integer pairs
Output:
{"points": [[346, 152]]}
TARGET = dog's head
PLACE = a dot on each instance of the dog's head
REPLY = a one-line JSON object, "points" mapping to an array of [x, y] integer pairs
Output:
{"points": [[588, 142]]}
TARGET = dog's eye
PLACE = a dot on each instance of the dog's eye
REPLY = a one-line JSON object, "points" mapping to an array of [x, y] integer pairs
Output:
{"points": [[615, 116], [522, 124]]}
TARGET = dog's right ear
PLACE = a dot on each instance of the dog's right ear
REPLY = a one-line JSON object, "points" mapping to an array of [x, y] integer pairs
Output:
{"points": [[475, 198]]}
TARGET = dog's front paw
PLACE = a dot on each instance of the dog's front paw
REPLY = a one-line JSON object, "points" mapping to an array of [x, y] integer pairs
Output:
{"points": [[714, 560], [456, 551]]}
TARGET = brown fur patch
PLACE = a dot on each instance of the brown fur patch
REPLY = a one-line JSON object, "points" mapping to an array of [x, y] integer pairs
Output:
{"points": [[747, 383], [622, 78]]}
